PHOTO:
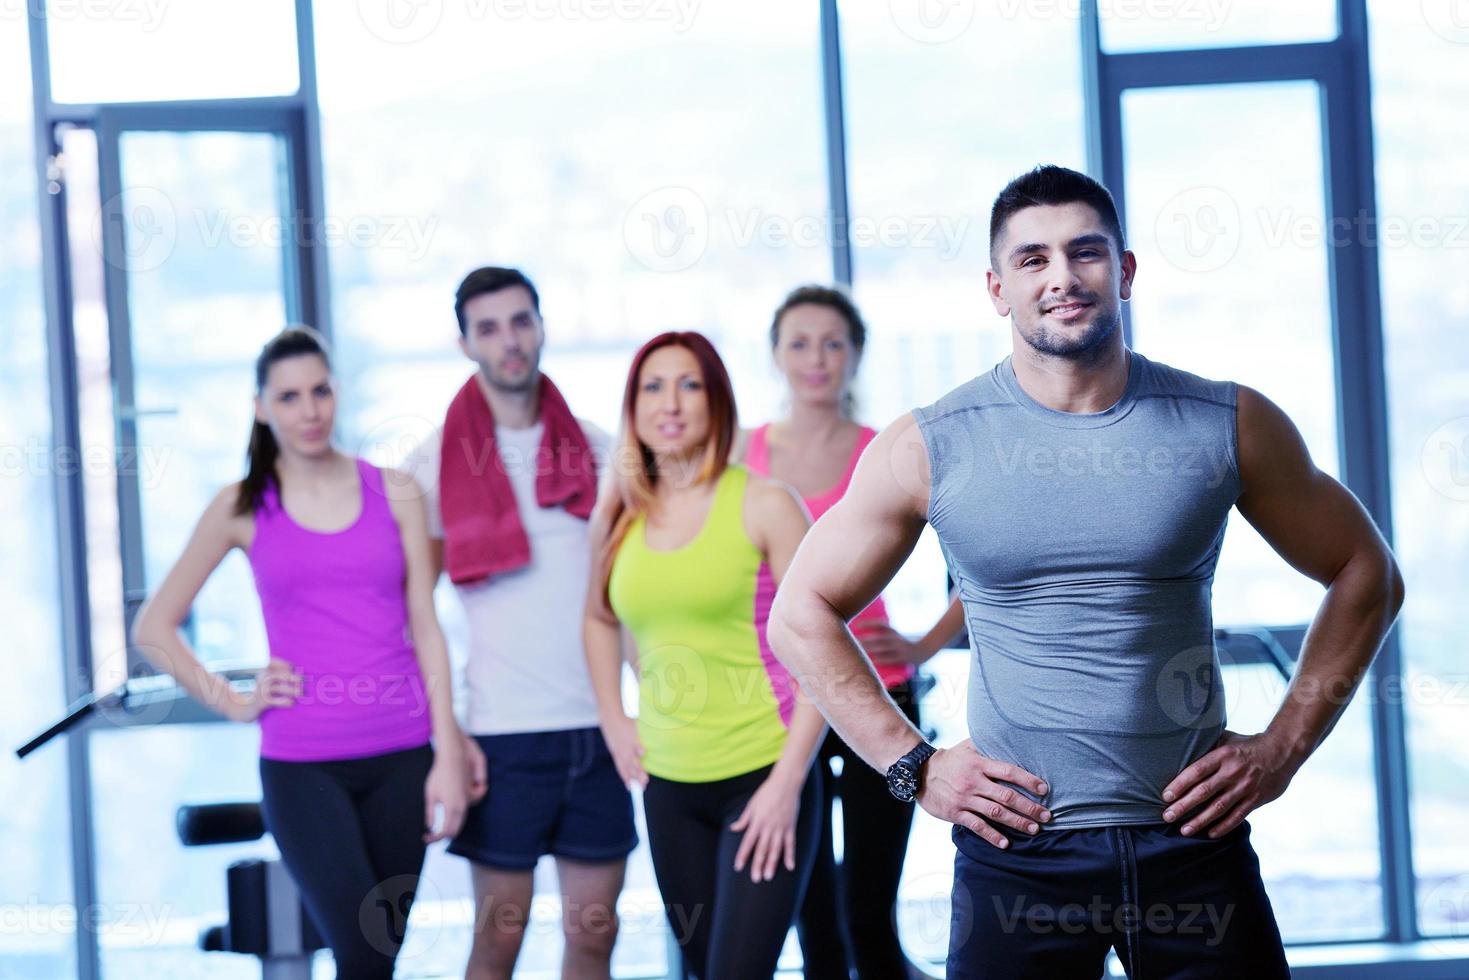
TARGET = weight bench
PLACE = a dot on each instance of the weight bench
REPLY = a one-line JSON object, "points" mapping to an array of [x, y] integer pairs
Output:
{"points": [[266, 918]]}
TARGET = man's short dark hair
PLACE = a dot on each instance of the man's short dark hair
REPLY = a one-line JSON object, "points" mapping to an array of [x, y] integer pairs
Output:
{"points": [[490, 279], [1050, 184]]}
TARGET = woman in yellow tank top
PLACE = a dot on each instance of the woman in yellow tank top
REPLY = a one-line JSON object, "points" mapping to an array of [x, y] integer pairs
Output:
{"points": [[721, 746]]}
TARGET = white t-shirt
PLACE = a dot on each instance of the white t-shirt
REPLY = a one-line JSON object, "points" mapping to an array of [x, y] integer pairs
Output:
{"points": [[526, 670]]}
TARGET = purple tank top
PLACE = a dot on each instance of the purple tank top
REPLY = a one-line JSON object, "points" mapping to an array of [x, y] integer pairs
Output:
{"points": [[334, 607]]}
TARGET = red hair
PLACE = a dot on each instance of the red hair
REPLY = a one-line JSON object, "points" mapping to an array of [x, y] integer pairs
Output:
{"points": [[634, 468]]}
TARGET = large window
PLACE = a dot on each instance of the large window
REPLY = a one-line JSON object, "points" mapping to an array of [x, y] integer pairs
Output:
{"points": [[1158, 25], [650, 167], [1240, 202], [1419, 77], [1225, 209], [204, 294], [169, 49], [942, 110], [658, 165], [166, 894], [37, 914]]}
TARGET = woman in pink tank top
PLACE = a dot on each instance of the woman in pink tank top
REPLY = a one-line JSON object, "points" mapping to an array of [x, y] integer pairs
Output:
{"points": [[358, 679], [846, 919]]}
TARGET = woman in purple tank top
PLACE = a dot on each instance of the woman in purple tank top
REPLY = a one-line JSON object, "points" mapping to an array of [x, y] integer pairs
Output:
{"points": [[358, 679], [846, 919]]}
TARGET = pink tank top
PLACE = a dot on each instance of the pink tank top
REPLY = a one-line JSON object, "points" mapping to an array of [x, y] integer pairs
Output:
{"points": [[757, 459], [334, 607]]}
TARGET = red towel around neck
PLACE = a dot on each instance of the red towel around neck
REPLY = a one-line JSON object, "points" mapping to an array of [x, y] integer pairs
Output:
{"points": [[483, 534]]}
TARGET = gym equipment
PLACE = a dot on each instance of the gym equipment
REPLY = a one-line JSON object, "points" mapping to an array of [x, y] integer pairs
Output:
{"points": [[266, 918]]}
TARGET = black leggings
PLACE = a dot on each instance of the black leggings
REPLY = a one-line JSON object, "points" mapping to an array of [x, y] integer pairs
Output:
{"points": [[726, 925], [351, 834], [847, 918]]}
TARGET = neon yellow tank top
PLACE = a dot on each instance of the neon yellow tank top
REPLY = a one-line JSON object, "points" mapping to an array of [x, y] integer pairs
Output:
{"points": [[713, 702]]}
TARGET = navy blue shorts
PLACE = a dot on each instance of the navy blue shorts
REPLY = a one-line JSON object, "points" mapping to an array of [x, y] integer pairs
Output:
{"points": [[1051, 906], [552, 793]]}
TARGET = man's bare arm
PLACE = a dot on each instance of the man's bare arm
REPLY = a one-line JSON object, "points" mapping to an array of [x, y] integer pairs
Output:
{"points": [[843, 563], [1321, 529]]}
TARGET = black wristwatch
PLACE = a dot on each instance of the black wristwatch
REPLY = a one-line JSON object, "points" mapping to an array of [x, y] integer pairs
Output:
{"points": [[904, 776]]}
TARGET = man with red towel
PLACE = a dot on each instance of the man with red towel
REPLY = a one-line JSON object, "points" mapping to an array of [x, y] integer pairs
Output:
{"points": [[510, 481]]}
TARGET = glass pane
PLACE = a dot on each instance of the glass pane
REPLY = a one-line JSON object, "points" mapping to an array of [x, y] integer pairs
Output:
{"points": [[206, 262], [668, 172], [1147, 25], [156, 894], [149, 50], [626, 211], [1323, 876], [37, 938], [925, 162], [1225, 210], [928, 869], [1418, 73], [95, 403]]}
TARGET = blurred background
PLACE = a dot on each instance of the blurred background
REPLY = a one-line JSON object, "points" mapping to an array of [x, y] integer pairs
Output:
{"points": [[181, 178]]}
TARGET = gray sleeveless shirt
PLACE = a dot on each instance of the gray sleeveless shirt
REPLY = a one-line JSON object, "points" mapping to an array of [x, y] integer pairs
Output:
{"points": [[1084, 547]]}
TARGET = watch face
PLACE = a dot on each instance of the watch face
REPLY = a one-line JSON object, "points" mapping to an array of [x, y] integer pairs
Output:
{"points": [[903, 781]]}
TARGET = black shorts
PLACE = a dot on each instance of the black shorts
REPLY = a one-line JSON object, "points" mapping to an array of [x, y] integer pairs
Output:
{"points": [[552, 793], [1053, 904]]}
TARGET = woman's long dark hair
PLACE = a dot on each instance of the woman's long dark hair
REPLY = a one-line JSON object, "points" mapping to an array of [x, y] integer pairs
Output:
{"points": [[263, 452]]}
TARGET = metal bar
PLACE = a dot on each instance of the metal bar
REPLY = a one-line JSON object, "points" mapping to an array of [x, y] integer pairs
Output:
{"points": [[836, 143], [1260, 645], [1345, 960], [1224, 66], [1105, 152], [1362, 412], [85, 114], [301, 230], [1091, 85], [311, 193], [166, 117], [119, 330], [70, 495]]}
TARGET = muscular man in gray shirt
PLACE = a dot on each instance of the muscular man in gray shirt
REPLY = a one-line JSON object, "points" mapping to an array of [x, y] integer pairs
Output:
{"points": [[1080, 493]]}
